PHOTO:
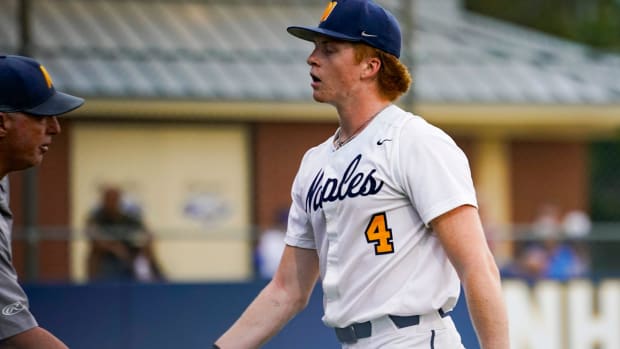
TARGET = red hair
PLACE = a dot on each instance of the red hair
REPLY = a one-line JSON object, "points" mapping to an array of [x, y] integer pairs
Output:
{"points": [[393, 78]]}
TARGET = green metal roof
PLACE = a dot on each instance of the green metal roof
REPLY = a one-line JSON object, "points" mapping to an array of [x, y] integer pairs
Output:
{"points": [[239, 50]]}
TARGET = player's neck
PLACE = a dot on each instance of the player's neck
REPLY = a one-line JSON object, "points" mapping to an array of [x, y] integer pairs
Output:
{"points": [[355, 116]]}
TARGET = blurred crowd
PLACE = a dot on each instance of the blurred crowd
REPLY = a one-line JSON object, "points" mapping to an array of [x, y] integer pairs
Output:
{"points": [[553, 248]]}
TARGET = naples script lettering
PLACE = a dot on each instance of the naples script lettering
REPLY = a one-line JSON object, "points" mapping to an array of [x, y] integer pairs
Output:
{"points": [[352, 184]]}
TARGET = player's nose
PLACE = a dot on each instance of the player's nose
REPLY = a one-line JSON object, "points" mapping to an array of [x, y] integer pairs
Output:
{"points": [[312, 59]]}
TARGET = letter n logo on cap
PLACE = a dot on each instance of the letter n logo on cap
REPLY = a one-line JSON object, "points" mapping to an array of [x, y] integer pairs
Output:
{"points": [[47, 76], [328, 10]]}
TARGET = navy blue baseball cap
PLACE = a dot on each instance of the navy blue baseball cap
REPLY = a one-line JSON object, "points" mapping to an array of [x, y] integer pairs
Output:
{"points": [[25, 86], [356, 21]]}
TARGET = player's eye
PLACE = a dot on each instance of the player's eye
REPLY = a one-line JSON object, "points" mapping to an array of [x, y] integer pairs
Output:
{"points": [[326, 47], [327, 50]]}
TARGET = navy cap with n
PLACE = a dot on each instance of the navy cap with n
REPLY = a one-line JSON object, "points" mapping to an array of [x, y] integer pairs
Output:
{"points": [[26, 86], [356, 21]]}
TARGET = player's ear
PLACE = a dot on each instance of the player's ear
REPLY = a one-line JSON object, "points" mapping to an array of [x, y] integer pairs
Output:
{"points": [[372, 65]]}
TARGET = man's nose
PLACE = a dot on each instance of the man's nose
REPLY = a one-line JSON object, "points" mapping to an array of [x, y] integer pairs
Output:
{"points": [[53, 126], [311, 60]]}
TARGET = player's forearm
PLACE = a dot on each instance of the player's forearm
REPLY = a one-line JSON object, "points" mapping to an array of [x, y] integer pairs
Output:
{"points": [[265, 316], [486, 307], [35, 338]]}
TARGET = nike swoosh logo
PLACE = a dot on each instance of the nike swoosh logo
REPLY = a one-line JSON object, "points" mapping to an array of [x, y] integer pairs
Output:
{"points": [[381, 141], [364, 34]]}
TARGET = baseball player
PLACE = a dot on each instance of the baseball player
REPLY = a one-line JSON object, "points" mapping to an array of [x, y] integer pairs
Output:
{"points": [[29, 104], [384, 211]]}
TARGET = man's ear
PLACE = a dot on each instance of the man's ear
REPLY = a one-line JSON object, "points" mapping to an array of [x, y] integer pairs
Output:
{"points": [[372, 67], [4, 121]]}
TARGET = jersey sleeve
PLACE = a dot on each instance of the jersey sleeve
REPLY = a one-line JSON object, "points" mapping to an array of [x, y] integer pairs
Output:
{"points": [[299, 229], [434, 171], [15, 317]]}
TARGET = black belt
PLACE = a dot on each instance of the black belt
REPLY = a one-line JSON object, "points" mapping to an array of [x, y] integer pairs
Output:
{"points": [[353, 332]]}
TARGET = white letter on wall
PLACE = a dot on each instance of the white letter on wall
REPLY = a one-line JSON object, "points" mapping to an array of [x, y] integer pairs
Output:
{"points": [[535, 322], [589, 326]]}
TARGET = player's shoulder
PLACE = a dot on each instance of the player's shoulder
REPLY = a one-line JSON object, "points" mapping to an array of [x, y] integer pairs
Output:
{"points": [[316, 152], [413, 133], [406, 124]]}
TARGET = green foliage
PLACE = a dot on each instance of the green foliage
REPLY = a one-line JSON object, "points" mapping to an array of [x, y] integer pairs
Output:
{"points": [[593, 22], [605, 180], [605, 202]]}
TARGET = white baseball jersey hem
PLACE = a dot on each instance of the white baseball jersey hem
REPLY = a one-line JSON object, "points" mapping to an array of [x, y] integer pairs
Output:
{"points": [[366, 208]]}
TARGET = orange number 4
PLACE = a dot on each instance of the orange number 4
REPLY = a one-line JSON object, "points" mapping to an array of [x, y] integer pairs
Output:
{"points": [[379, 234]]}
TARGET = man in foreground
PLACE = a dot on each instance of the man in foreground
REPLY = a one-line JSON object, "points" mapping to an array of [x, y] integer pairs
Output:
{"points": [[29, 106]]}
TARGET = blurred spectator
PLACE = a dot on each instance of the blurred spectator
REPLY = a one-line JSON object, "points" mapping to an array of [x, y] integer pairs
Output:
{"points": [[530, 263], [531, 257], [547, 223], [577, 227], [553, 250], [270, 246], [121, 245], [565, 261], [576, 224]]}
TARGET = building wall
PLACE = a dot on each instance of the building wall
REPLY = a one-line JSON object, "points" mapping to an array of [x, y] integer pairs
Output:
{"points": [[554, 172], [191, 181], [278, 150]]}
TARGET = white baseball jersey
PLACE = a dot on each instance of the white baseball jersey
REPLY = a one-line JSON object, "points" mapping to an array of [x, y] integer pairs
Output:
{"points": [[366, 209]]}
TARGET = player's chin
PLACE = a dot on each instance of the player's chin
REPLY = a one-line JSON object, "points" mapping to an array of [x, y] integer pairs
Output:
{"points": [[318, 97]]}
